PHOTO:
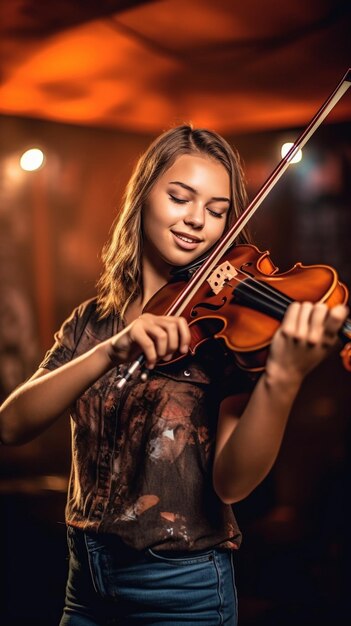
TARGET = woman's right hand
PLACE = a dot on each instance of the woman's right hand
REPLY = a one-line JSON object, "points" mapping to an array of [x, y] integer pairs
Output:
{"points": [[158, 337]]}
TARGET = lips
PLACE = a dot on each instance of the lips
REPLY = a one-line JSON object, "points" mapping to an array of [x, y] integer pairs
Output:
{"points": [[186, 237], [185, 241]]}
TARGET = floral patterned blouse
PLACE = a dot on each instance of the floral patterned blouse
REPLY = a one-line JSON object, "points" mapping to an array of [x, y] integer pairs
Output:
{"points": [[142, 457]]}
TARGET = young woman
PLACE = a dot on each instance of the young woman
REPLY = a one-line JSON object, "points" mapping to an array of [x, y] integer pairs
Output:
{"points": [[157, 465]]}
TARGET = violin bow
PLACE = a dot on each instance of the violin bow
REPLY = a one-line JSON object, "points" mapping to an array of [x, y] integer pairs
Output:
{"points": [[202, 273]]}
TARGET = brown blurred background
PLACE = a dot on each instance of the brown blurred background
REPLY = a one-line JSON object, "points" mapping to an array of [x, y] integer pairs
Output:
{"points": [[91, 84]]}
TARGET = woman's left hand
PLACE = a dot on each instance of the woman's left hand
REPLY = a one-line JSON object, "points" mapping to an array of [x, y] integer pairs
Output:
{"points": [[307, 335]]}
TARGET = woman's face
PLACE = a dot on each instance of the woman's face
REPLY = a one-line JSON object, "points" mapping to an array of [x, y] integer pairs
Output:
{"points": [[186, 210]]}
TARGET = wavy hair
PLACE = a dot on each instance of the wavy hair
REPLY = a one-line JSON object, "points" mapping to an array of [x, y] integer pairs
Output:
{"points": [[120, 281]]}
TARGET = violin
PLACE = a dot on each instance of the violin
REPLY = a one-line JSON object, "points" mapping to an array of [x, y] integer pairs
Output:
{"points": [[244, 300], [236, 293]]}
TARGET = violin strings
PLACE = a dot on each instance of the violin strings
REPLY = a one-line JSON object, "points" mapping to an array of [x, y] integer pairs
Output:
{"points": [[274, 302], [279, 299], [263, 289], [267, 288]]}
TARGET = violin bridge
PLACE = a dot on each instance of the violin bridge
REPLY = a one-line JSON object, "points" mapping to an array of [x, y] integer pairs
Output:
{"points": [[224, 271]]}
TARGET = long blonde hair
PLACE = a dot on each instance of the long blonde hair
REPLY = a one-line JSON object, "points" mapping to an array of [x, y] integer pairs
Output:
{"points": [[120, 281]]}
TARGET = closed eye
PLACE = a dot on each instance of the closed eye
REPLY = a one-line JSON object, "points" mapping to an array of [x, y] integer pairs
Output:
{"points": [[177, 200], [215, 214]]}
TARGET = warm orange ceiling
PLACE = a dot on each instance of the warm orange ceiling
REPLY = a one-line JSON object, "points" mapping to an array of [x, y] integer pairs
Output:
{"points": [[232, 65]]}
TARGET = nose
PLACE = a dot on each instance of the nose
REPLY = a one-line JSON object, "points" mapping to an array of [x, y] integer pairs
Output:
{"points": [[195, 216]]}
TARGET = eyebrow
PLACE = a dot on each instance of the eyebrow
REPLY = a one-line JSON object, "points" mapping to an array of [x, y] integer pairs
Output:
{"points": [[177, 182]]}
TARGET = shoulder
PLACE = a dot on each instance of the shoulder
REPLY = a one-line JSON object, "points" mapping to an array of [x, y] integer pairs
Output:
{"points": [[88, 308], [86, 319], [82, 330], [78, 318]]}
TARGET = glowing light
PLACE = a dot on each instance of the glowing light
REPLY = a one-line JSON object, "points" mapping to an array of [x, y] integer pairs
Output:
{"points": [[285, 149], [32, 160]]}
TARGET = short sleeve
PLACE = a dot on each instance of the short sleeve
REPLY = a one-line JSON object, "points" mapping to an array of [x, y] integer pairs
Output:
{"points": [[67, 338]]}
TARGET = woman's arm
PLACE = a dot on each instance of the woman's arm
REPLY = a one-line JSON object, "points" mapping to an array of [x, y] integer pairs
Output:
{"points": [[36, 404], [246, 448]]}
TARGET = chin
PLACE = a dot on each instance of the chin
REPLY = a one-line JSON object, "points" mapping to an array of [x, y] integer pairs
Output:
{"points": [[181, 260]]}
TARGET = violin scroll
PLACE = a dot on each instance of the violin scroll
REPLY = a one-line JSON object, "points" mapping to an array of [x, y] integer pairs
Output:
{"points": [[346, 356]]}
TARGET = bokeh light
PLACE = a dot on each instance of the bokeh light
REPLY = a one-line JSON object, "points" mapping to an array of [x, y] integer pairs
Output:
{"points": [[285, 149], [32, 160]]}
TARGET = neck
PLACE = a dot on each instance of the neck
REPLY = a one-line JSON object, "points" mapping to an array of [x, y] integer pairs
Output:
{"points": [[156, 273]]}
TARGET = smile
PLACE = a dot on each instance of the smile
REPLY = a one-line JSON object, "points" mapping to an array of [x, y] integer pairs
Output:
{"points": [[187, 238], [185, 241]]}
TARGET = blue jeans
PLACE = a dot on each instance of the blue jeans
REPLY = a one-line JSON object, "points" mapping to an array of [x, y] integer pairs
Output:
{"points": [[111, 584]]}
